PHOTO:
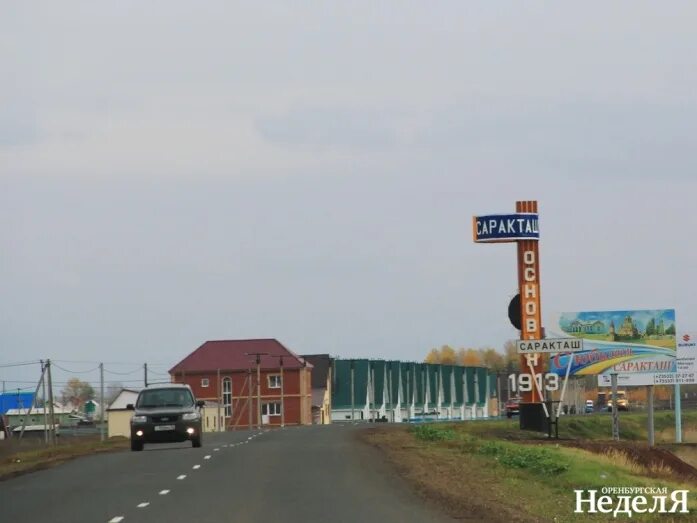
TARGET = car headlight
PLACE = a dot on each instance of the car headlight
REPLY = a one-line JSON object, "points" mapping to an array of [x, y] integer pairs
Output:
{"points": [[190, 416], [139, 419]]}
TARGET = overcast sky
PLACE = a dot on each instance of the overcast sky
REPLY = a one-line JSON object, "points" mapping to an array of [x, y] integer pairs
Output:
{"points": [[173, 172]]}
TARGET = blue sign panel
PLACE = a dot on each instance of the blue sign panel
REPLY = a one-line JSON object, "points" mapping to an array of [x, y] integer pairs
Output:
{"points": [[506, 227]]}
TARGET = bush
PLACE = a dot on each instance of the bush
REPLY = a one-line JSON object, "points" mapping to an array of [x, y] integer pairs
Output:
{"points": [[432, 433], [536, 459]]}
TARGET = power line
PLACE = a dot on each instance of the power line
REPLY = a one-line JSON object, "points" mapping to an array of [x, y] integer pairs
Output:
{"points": [[156, 372], [139, 369], [22, 364], [74, 371], [157, 364]]}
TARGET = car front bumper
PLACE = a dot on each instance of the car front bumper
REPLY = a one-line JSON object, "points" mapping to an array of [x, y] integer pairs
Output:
{"points": [[183, 431]]}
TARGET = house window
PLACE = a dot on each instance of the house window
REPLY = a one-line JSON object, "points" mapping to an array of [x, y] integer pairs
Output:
{"points": [[271, 409], [204, 382], [227, 396], [275, 381]]}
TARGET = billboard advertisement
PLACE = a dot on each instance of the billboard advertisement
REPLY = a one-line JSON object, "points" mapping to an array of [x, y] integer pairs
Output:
{"points": [[630, 342]]}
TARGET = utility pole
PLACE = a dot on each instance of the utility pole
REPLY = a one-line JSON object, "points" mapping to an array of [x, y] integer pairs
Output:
{"points": [[678, 413], [352, 396], [249, 401], [43, 399], [649, 397], [145, 374], [31, 406], [101, 401], [258, 391], [498, 394], [52, 418], [220, 424], [258, 362], [615, 412], [283, 407]]}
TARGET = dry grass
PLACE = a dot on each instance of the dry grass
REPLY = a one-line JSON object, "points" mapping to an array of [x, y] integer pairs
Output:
{"points": [[623, 460], [19, 458], [667, 435], [686, 452]]}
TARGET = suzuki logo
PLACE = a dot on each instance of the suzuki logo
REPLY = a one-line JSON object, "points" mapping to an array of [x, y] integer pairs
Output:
{"points": [[686, 338]]}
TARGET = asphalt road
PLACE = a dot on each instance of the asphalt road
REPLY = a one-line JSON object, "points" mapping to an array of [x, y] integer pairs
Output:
{"points": [[308, 474]]}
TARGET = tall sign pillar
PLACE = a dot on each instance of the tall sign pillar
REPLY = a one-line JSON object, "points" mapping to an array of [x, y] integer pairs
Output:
{"points": [[522, 228], [530, 308]]}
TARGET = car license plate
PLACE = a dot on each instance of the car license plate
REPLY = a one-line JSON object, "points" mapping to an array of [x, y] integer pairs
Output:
{"points": [[159, 428]]}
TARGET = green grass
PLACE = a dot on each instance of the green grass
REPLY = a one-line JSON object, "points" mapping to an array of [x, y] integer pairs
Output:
{"points": [[633, 427], [542, 476]]}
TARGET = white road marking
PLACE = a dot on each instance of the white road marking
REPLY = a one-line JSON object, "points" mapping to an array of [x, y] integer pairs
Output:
{"points": [[117, 519], [207, 457], [196, 467], [216, 450], [143, 504], [250, 437], [164, 492], [183, 476]]}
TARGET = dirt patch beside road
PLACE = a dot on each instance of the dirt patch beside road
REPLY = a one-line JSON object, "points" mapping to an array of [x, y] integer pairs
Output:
{"points": [[449, 484]]}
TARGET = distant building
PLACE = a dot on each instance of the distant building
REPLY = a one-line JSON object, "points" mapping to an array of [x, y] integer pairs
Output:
{"points": [[118, 416], [226, 371], [34, 417], [321, 388], [628, 329], [15, 400], [380, 390], [586, 327]]}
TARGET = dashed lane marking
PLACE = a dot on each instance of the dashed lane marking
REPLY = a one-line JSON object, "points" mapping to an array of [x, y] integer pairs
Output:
{"points": [[196, 467], [183, 476], [216, 450], [207, 457], [164, 492], [116, 519], [143, 504]]}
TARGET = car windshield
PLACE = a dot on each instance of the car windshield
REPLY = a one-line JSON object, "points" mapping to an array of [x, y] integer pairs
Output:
{"points": [[174, 397]]}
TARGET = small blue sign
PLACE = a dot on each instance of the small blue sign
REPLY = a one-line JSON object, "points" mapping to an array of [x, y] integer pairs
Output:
{"points": [[506, 227]]}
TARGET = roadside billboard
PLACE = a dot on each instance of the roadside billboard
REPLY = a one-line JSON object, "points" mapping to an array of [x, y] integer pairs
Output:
{"points": [[631, 342]]}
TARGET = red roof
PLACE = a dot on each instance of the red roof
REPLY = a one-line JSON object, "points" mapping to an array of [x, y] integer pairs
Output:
{"points": [[236, 355]]}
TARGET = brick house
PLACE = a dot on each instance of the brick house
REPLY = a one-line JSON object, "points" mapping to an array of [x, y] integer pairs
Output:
{"points": [[226, 371]]}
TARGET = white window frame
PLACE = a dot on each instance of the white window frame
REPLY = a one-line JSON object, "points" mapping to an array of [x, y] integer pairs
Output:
{"points": [[266, 408], [205, 383], [277, 379], [227, 396]]}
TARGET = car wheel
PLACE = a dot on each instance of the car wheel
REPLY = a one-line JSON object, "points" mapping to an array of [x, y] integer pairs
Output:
{"points": [[196, 442], [136, 446]]}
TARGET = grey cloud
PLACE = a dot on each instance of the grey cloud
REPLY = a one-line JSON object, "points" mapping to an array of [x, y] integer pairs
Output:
{"points": [[332, 127], [18, 125], [611, 138]]}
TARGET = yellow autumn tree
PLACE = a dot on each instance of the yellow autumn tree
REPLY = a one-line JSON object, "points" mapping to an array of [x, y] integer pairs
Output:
{"points": [[447, 355], [470, 358], [493, 359], [511, 357], [433, 356]]}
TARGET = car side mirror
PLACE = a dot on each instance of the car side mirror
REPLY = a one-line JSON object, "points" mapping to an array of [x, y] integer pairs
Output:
{"points": [[130, 407], [200, 403]]}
